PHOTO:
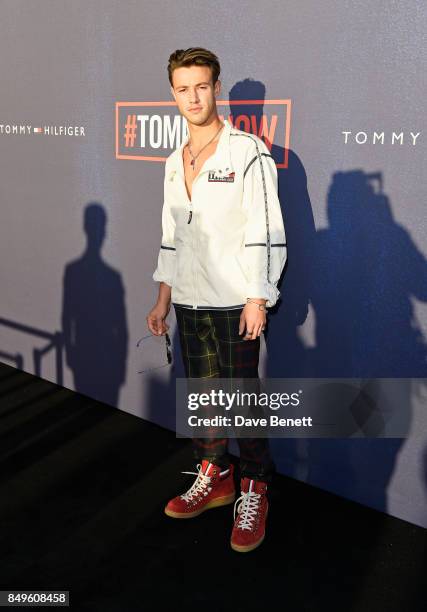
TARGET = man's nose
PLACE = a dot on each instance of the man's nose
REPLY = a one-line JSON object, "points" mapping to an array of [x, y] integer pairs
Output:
{"points": [[193, 96]]}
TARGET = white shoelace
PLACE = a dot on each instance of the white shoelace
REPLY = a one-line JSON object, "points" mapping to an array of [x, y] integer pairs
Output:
{"points": [[248, 508], [200, 485]]}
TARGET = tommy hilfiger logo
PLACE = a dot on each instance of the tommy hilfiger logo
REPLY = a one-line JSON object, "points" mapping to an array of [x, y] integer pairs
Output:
{"points": [[213, 177]]}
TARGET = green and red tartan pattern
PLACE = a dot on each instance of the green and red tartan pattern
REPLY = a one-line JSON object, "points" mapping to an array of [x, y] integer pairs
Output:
{"points": [[212, 347]]}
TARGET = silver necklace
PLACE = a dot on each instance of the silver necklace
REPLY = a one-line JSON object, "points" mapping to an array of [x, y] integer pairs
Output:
{"points": [[194, 157]]}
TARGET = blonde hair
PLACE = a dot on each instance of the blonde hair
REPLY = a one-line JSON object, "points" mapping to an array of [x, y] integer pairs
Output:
{"points": [[194, 56]]}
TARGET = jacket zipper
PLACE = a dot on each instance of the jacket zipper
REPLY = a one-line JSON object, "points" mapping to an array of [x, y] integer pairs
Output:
{"points": [[194, 255], [191, 216]]}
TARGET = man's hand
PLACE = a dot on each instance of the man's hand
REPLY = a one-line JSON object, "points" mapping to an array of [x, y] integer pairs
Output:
{"points": [[156, 318], [252, 320]]}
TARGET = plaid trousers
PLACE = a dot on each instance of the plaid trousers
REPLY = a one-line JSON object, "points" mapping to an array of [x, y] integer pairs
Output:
{"points": [[212, 347]]}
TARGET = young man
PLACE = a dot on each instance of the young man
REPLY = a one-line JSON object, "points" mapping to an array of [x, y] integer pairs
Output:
{"points": [[222, 253]]}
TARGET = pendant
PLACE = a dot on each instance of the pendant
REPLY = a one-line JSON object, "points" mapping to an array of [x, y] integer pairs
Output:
{"points": [[193, 163]]}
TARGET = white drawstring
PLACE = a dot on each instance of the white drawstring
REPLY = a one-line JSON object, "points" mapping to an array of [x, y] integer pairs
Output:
{"points": [[199, 486], [247, 509]]}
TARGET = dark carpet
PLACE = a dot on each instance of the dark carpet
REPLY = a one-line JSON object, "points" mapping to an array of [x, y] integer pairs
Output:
{"points": [[82, 492]]}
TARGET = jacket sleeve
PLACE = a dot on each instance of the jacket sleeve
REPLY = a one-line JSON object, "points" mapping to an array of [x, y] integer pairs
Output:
{"points": [[167, 253], [265, 250]]}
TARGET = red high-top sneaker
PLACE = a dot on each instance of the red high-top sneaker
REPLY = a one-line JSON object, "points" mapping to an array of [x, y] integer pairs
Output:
{"points": [[249, 526], [211, 488]]}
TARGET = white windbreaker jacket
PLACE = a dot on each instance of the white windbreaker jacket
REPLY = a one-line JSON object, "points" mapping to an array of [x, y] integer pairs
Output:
{"points": [[228, 243]]}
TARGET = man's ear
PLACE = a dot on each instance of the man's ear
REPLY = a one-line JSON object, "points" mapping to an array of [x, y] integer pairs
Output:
{"points": [[173, 93], [217, 87]]}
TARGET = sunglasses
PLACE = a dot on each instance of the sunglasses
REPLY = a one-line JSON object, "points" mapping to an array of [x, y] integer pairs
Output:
{"points": [[168, 351]]}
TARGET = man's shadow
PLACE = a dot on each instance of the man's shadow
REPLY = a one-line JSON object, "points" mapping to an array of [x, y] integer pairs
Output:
{"points": [[94, 316], [365, 273], [286, 354]]}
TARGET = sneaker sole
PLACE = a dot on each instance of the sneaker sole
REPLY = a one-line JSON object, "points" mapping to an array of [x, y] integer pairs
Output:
{"points": [[248, 548], [215, 503]]}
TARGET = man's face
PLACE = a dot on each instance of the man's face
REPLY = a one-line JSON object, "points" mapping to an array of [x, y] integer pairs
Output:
{"points": [[195, 93]]}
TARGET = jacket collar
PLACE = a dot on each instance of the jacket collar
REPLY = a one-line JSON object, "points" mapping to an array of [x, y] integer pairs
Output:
{"points": [[220, 160]]}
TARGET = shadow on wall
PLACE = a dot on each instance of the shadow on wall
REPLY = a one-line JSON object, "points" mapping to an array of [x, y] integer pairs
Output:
{"points": [[364, 274], [359, 276], [94, 316]]}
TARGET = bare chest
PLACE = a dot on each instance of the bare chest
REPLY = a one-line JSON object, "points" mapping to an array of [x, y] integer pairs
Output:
{"points": [[191, 172]]}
